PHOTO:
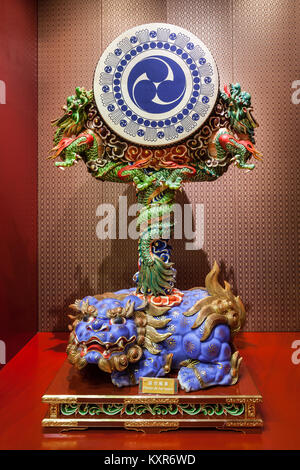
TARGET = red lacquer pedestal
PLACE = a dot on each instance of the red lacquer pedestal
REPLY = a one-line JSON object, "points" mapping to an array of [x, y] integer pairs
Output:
{"points": [[87, 398]]}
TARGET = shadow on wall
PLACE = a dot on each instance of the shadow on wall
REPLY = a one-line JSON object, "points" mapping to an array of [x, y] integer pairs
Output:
{"points": [[123, 253], [115, 270], [97, 265], [184, 258]]}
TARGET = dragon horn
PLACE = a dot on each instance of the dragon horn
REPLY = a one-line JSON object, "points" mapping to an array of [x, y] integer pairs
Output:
{"points": [[227, 91]]}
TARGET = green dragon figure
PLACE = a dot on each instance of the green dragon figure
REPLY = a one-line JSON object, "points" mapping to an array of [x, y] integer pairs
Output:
{"points": [[72, 137], [228, 138], [238, 143]]}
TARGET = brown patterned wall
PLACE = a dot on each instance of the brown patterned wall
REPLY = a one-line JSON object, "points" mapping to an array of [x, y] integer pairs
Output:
{"points": [[250, 219]]}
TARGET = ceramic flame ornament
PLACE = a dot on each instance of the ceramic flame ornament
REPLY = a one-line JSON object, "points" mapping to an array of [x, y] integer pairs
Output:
{"points": [[156, 118]]}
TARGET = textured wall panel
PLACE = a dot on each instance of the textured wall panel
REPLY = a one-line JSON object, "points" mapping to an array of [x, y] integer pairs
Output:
{"points": [[18, 175], [265, 45], [250, 219]]}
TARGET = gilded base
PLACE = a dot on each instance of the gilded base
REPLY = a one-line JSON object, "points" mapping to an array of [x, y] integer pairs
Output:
{"points": [[73, 404]]}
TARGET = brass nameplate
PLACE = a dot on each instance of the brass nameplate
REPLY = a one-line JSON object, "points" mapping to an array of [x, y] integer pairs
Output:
{"points": [[158, 385]]}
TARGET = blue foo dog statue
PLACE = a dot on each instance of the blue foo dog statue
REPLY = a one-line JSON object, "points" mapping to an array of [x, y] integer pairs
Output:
{"points": [[157, 119], [129, 337]]}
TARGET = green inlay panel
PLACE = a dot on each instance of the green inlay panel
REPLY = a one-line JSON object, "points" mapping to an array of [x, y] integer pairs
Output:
{"points": [[90, 409]]}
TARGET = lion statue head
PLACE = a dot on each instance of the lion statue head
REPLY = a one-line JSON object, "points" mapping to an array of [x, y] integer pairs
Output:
{"points": [[112, 330]]}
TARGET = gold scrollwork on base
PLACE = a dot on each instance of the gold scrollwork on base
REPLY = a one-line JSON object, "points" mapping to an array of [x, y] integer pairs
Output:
{"points": [[152, 424], [250, 410], [250, 406], [150, 400], [53, 410], [244, 400], [251, 423], [143, 426]]}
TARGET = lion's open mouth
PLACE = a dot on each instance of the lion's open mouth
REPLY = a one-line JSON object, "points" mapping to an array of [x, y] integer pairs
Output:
{"points": [[106, 349]]}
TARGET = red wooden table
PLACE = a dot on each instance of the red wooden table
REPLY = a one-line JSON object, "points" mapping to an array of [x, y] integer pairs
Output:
{"points": [[27, 376]]}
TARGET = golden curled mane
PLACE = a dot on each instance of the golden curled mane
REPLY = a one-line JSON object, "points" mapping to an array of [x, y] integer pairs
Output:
{"points": [[220, 307], [147, 335]]}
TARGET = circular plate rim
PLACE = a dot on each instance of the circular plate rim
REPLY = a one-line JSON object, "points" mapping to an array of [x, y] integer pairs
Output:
{"points": [[157, 145]]}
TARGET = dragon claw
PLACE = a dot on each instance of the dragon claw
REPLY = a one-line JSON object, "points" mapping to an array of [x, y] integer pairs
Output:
{"points": [[143, 182], [188, 380], [120, 379], [64, 164], [245, 166]]}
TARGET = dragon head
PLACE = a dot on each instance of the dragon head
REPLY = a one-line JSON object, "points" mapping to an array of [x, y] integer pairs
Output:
{"points": [[75, 112], [112, 332], [239, 110]]}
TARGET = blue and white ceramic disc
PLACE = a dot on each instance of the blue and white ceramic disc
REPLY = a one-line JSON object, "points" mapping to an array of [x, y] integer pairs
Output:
{"points": [[156, 84]]}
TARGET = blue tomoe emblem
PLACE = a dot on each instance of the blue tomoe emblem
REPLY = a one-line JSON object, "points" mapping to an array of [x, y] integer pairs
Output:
{"points": [[156, 84]]}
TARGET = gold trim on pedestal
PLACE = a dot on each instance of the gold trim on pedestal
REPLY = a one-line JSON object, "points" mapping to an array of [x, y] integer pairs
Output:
{"points": [[250, 410], [250, 423], [151, 400], [248, 419], [60, 423], [244, 400], [56, 399], [99, 398], [152, 424], [53, 410], [143, 426]]}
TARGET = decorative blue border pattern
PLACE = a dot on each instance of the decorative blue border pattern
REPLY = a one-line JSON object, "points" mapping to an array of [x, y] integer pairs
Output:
{"points": [[156, 85]]}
